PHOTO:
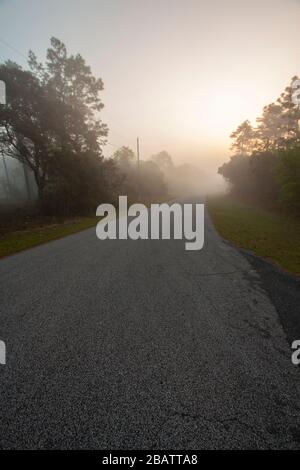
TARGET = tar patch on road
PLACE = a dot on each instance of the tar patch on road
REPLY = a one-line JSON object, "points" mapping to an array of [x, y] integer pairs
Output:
{"points": [[283, 291]]}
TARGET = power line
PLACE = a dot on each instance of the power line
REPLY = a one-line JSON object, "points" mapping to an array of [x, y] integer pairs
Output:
{"points": [[17, 51], [112, 145], [13, 48], [121, 133]]}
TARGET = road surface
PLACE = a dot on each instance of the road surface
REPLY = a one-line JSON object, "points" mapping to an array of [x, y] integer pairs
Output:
{"points": [[143, 345]]}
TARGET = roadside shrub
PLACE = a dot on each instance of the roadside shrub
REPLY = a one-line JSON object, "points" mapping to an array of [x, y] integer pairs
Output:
{"points": [[289, 179]]}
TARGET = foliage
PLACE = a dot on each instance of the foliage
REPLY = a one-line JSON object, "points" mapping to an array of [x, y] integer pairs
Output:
{"points": [[266, 159], [289, 177], [51, 124], [144, 182]]}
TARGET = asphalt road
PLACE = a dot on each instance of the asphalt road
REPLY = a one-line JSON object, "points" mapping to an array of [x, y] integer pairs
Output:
{"points": [[143, 345]]}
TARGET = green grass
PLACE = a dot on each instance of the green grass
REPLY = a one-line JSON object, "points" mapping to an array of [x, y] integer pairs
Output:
{"points": [[14, 241], [271, 235]]}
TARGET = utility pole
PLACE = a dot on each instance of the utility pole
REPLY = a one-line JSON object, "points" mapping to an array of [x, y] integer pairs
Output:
{"points": [[138, 167]]}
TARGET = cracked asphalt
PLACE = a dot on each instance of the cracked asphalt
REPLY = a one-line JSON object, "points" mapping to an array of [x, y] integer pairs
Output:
{"points": [[142, 345]]}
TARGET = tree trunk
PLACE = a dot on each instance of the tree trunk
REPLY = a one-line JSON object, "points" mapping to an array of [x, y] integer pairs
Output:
{"points": [[40, 182], [7, 177], [27, 182], [41, 193]]}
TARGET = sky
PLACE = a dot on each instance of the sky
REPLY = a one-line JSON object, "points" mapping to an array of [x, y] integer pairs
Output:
{"points": [[180, 74]]}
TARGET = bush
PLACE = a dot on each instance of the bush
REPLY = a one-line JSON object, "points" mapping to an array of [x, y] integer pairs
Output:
{"points": [[289, 178]]}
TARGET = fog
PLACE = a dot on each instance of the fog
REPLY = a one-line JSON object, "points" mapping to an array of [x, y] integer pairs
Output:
{"points": [[181, 75], [16, 182], [188, 179], [18, 187]]}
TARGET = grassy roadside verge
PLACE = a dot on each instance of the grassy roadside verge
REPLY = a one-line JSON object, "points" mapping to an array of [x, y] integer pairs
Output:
{"points": [[22, 229], [14, 241], [271, 235]]}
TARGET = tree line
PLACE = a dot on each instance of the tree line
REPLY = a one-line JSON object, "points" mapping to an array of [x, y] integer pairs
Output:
{"points": [[51, 124], [265, 165]]}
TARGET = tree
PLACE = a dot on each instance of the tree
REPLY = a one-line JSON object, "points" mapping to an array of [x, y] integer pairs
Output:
{"points": [[243, 139], [163, 160], [290, 117], [124, 157], [51, 121], [270, 133], [289, 178], [78, 185], [153, 186], [238, 174], [70, 82], [263, 167], [148, 183], [125, 161], [263, 152], [27, 122]]}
